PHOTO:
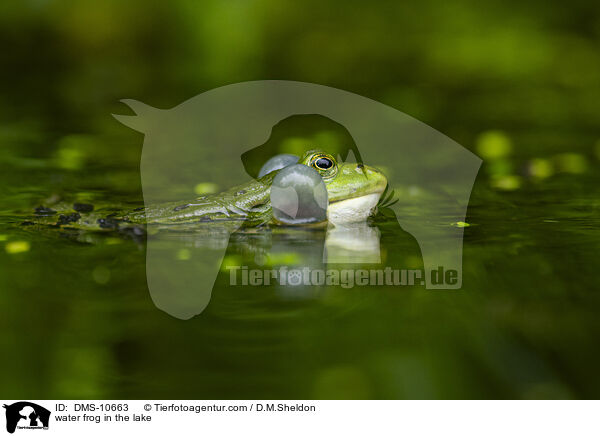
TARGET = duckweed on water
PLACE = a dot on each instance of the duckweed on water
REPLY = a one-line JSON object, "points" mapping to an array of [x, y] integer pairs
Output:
{"points": [[230, 261], [283, 259], [573, 163], [184, 254], [206, 188], [493, 144], [15, 247], [461, 224], [506, 183], [540, 168]]}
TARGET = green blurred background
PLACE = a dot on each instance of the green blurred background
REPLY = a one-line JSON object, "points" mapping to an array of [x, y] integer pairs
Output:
{"points": [[518, 83]]}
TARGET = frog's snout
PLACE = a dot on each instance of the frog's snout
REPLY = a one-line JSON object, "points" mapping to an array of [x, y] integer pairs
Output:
{"points": [[375, 178]]}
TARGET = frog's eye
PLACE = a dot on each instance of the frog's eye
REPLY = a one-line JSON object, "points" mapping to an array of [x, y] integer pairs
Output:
{"points": [[323, 163]]}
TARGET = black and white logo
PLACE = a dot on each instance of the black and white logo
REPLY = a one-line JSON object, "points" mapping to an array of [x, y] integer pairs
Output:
{"points": [[26, 415]]}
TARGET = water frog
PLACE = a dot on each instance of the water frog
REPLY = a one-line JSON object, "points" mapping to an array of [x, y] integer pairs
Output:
{"points": [[353, 191]]}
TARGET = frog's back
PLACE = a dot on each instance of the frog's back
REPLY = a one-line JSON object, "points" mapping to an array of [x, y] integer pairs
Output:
{"points": [[245, 202]]}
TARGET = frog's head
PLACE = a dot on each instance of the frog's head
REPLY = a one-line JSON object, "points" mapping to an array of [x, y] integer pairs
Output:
{"points": [[353, 189]]}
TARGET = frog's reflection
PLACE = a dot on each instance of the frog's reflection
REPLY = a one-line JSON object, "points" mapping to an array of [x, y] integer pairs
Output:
{"points": [[376, 244], [352, 243], [190, 251]]}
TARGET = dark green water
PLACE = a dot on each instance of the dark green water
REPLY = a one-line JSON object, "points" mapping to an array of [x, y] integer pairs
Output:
{"points": [[78, 321], [76, 317]]}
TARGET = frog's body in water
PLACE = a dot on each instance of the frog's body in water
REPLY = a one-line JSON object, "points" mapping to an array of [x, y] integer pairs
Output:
{"points": [[353, 191]]}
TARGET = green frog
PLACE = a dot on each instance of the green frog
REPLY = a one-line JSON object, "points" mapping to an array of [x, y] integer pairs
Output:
{"points": [[353, 192]]}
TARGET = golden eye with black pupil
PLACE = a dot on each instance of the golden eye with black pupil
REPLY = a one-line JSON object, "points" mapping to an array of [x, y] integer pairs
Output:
{"points": [[323, 163]]}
